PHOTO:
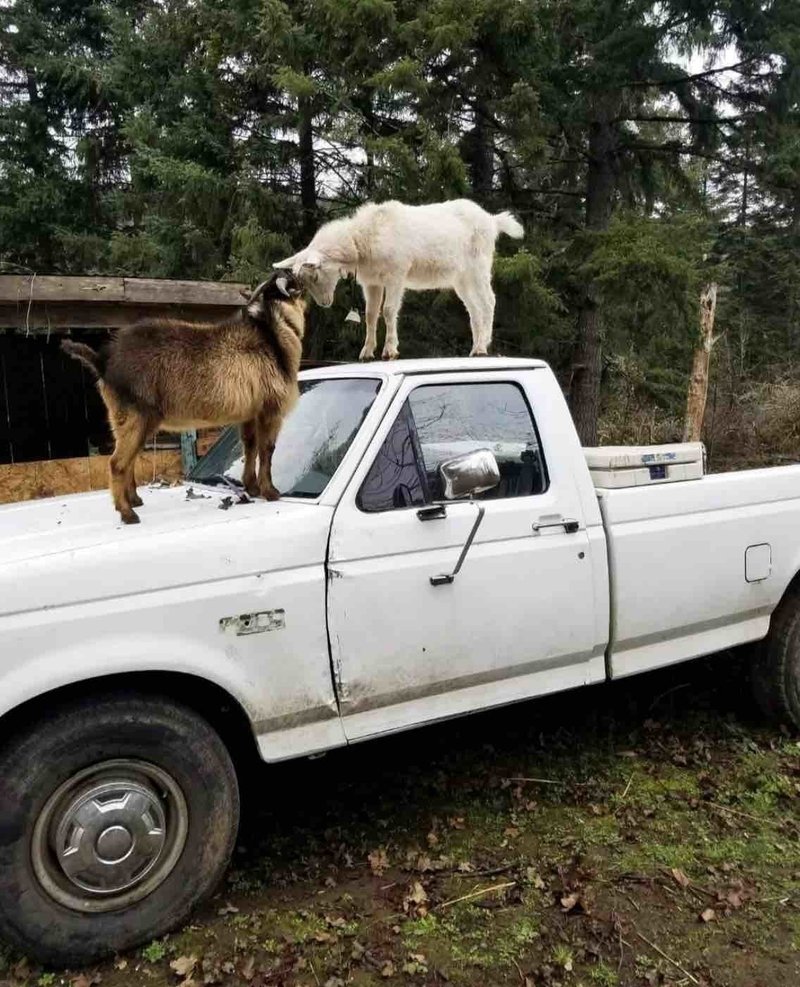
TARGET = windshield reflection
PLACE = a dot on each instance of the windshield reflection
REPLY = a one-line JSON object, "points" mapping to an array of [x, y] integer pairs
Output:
{"points": [[311, 444]]}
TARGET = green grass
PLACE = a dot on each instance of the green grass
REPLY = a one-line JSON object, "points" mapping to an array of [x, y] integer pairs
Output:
{"points": [[603, 975], [466, 937], [155, 951], [631, 788]]}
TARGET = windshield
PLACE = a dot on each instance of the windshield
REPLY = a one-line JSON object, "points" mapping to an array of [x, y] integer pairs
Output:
{"points": [[311, 443]]}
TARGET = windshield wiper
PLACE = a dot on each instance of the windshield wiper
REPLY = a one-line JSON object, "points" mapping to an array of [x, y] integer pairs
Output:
{"points": [[220, 480]]}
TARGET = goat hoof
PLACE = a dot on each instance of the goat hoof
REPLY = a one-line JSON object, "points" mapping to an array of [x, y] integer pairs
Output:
{"points": [[478, 351], [136, 501], [271, 494], [390, 354], [251, 489], [366, 355], [129, 517]]}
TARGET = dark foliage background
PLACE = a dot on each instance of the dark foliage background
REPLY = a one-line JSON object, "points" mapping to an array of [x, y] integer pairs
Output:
{"points": [[647, 147]]}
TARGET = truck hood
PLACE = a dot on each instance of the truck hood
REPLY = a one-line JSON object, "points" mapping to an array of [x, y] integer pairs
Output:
{"points": [[72, 549]]}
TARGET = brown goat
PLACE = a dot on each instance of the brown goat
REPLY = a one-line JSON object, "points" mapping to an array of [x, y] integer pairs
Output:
{"points": [[178, 375]]}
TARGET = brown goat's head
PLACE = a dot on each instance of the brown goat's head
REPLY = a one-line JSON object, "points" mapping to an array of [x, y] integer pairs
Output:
{"points": [[281, 287]]}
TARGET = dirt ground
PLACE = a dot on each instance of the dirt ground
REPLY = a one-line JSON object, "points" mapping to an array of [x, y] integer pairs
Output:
{"points": [[641, 833]]}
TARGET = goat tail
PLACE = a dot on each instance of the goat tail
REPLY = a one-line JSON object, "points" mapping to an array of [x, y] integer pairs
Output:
{"points": [[504, 222], [84, 353]]}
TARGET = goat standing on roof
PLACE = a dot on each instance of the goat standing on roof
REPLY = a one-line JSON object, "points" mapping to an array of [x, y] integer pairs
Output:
{"points": [[178, 375], [391, 247]]}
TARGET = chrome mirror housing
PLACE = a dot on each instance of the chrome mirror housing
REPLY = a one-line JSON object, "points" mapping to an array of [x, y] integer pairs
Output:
{"points": [[470, 474]]}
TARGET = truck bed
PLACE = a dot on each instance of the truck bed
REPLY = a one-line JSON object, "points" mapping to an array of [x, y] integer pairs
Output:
{"points": [[697, 567]]}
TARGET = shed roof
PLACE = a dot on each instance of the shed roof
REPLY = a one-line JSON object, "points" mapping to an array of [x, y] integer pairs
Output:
{"points": [[60, 302]]}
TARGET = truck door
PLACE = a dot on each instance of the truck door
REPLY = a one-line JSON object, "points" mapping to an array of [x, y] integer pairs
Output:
{"points": [[520, 617]]}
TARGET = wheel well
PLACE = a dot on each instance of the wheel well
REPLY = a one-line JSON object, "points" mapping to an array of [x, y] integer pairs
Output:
{"points": [[218, 707], [793, 587]]}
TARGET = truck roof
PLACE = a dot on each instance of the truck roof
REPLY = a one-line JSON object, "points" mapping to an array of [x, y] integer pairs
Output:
{"points": [[431, 365]]}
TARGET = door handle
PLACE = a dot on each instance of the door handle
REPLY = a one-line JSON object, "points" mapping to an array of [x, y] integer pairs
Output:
{"points": [[569, 525], [432, 513]]}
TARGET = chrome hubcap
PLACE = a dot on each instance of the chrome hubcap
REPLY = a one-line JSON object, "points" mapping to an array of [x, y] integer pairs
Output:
{"points": [[109, 835]]}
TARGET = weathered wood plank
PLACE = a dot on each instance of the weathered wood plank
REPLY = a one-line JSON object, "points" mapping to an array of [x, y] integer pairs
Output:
{"points": [[102, 315], [23, 291], [152, 291]]}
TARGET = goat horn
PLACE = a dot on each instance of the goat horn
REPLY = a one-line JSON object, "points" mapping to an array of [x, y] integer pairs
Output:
{"points": [[280, 284], [257, 292]]}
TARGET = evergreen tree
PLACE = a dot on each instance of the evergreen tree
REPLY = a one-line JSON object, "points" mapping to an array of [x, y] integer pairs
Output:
{"points": [[646, 147]]}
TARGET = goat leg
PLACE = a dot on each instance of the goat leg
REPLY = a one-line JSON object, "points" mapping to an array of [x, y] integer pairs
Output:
{"points": [[249, 432], [130, 432], [391, 309], [373, 295], [267, 431], [478, 300], [133, 497], [488, 315]]}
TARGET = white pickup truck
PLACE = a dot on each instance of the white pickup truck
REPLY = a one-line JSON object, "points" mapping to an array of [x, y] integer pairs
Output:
{"points": [[440, 548]]}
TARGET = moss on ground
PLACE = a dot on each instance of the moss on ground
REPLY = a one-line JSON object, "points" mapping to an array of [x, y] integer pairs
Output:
{"points": [[631, 835]]}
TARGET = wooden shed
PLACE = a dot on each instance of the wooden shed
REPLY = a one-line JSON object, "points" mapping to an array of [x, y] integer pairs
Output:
{"points": [[54, 438]]}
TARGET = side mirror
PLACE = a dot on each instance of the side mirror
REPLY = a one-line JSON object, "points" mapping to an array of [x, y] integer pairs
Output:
{"points": [[470, 474], [464, 476]]}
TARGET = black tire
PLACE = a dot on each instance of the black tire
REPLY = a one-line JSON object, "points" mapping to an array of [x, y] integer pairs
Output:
{"points": [[158, 736], [776, 664]]}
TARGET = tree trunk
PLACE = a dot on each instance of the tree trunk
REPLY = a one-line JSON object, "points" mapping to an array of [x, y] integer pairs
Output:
{"points": [[584, 389], [308, 181], [364, 103], [745, 188], [481, 152], [698, 382], [794, 295]]}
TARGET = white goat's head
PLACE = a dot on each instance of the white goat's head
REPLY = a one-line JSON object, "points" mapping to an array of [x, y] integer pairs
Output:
{"points": [[317, 272]]}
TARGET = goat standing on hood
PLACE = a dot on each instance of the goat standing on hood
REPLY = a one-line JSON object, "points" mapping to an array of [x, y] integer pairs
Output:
{"points": [[173, 375], [391, 247]]}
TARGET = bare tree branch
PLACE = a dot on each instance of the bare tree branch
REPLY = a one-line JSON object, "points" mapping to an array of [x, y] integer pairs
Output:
{"points": [[680, 80]]}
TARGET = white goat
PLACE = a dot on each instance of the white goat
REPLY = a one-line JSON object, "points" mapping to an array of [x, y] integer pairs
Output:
{"points": [[391, 247]]}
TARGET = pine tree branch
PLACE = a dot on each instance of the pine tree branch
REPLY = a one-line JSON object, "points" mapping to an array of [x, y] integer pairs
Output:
{"points": [[671, 119], [689, 149], [694, 77]]}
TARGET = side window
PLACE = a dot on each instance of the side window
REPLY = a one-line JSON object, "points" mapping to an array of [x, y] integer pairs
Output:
{"points": [[396, 478], [452, 419], [441, 421]]}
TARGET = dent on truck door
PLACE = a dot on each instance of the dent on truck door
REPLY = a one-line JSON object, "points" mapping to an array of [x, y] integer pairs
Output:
{"points": [[519, 618]]}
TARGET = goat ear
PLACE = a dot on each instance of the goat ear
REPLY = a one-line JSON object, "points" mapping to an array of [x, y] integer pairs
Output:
{"points": [[309, 258]]}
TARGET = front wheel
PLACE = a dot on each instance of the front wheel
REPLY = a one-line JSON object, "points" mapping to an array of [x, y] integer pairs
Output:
{"points": [[117, 816], [776, 665]]}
